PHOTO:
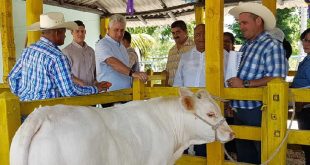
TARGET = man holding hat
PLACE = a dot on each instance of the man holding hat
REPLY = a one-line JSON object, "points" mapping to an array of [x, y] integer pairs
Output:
{"points": [[43, 71], [263, 59]]}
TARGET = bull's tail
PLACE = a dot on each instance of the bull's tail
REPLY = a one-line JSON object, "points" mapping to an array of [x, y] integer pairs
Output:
{"points": [[20, 145]]}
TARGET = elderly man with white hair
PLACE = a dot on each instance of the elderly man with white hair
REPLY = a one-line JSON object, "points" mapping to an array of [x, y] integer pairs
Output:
{"points": [[263, 59], [112, 62], [43, 71]]}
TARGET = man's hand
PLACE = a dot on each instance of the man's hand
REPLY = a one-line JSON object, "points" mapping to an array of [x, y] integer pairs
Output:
{"points": [[140, 75], [103, 86], [235, 82]]}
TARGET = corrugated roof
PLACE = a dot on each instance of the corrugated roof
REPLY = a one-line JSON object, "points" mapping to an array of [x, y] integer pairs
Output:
{"points": [[151, 12]]}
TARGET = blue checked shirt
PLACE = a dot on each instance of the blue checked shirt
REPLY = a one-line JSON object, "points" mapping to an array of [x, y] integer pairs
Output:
{"points": [[43, 72], [262, 57]]}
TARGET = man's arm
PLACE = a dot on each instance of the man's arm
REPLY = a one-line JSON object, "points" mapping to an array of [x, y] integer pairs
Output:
{"points": [[236, 82], [118, 66], [14, 77]]}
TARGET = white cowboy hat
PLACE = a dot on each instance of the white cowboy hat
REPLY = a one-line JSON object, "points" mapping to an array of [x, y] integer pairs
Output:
{"points": [[52, 20], [257, 9]]}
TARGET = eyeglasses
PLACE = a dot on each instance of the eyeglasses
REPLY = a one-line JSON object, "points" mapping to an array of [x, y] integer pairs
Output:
{"points": [[305, 41]]}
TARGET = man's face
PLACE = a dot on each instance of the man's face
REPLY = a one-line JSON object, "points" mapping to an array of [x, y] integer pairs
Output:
{"points": [[60, 35], [250, 26], [199, 38], [306, 43], [116, 31], [79, 35], [179, 35]]}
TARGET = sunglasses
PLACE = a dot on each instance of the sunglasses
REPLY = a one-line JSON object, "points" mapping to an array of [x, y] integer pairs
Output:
{"points": [[305, 41]]}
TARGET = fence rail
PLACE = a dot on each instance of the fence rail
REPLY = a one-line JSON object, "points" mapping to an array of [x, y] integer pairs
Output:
{"points": [[275, 98]]}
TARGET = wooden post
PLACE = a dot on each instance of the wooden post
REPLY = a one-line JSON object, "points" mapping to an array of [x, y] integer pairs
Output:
{"points": [[214, 65], [9, 123], [271, 5], [104, 23], [275, 126], [34, 9], [137, 90], [7, 37], [149, 83], [199, 15]]}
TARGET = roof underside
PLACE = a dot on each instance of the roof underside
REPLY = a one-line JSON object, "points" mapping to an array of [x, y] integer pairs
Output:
{"points": [[150, 12]]}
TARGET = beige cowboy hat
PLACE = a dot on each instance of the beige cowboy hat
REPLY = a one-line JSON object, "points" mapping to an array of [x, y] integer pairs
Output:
{"points": [[52, 20], [257, 9]]}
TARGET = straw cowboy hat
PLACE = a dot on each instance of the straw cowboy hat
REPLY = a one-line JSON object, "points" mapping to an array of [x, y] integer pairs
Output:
{"points": [[52, 20], [257, 9]]}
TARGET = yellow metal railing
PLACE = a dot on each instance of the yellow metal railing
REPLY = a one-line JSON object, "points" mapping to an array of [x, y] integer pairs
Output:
{"points": [[274, 97]]}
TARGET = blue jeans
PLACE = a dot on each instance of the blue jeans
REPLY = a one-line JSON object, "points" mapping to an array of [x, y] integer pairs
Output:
{"points": [[247, 150]]}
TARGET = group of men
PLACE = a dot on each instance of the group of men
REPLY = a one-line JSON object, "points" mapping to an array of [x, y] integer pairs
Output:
{"points": [[263, 59], [43, 71]]}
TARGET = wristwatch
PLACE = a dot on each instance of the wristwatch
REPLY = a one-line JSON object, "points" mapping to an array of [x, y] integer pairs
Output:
{"points": [[246, 83]]}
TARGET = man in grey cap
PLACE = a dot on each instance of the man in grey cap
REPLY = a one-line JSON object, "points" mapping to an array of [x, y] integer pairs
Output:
{"points": [[263, 59], [43, 71]]}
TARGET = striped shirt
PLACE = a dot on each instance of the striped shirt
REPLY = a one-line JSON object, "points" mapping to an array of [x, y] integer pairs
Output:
{"points": [[43, 72], [262, 57]]}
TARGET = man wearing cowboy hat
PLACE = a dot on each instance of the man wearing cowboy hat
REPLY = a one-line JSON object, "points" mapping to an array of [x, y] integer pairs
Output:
{"points": [[43, 71], [263, 59]]}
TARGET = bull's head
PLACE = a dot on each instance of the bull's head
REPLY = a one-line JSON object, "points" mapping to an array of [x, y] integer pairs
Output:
{"points": [[206, 121]]}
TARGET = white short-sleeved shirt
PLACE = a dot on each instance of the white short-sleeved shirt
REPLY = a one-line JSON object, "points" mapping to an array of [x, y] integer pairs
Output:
{"points": [[105, 48], [191, 70]]}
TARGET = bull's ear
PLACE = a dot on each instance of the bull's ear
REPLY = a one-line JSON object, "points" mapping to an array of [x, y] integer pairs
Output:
{"points": [[188, 103], [202, 93], [185, 92]]}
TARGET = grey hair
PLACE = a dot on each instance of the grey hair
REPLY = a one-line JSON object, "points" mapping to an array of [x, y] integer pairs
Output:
{"points": [[117, 18]]}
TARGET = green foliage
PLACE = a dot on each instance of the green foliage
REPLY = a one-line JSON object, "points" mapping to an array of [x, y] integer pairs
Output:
{"points": [[288, 21], [144, 42], [238, 35]]}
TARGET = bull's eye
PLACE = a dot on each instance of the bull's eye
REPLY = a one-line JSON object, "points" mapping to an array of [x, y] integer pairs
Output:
{"points": [[211, 114], [198, 96]]}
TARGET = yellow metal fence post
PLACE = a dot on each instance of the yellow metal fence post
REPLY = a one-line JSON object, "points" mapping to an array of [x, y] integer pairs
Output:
{"points": [[276, 122], [34, 9], [214, 65], [271, 5], [7, 37], [104, 23], [137, 90], [9, 123], [199, 15]]}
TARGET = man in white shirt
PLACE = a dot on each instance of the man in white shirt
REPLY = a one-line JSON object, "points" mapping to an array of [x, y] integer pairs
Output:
{"points": [[191, 70], [191, 73]]}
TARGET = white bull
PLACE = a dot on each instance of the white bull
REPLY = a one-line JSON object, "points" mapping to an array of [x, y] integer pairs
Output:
{"points": [[153, 132]]}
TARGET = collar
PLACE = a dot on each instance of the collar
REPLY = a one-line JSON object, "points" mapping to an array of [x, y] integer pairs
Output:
{"points": [[196, 51], [112, 40], [47, 41], [78, 45], [263, 35]]}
